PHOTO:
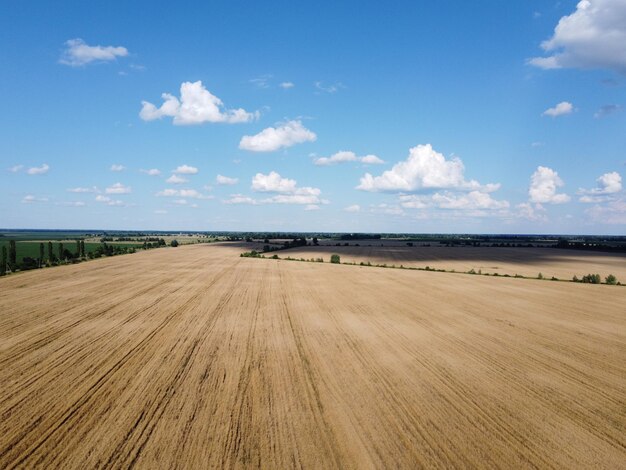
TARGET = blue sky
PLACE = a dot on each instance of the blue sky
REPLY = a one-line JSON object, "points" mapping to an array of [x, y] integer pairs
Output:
{"points": [[329, 116]]}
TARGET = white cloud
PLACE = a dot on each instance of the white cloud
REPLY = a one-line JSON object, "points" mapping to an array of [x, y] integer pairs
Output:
{"points": [[473, 200], [151, 172], [594, 36], [183, 193], [225, 180], [607, 110], [175, 179], [110, 202], [311, 207], [353, 208], [15, 168], [118, 188], [72, 203], [560, 109], [93, 189], [339, 157], [285, 189], [78, 53], [332, 88], [240, 199], [607, 185], [286, 85], [29, 199], [262, 81], [196, 106], [371, 160], [544, 183], [614, 213], [273, 182], [274, 138], [117, 168], [423, 169], [386, 209], [38, 170], [186, 170], [347, 156], [526, 210], [116, 203]]}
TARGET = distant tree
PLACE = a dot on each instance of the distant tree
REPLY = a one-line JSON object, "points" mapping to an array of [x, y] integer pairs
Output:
{"points": [[41, 250], [611, 280], [50, 253], [174, 243], [315, 241], [82, 248], [12, 254], [60, 251], [539, 276], [336, 259], [3, 267], [77, 249]]}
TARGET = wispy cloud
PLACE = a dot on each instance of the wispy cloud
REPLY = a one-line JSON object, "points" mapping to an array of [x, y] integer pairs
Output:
{"points": [[38, 170], [78, 53]]}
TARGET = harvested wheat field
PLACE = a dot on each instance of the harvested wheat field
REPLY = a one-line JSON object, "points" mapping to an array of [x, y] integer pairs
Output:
{"points": [[560, 263], [194, 357]]}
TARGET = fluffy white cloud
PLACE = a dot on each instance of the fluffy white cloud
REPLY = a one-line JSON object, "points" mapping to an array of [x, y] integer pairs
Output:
{"points": [[196, 106], [347, 156], [274, 138], [175, 179], [473, 200], [423, 169], [372, 160], [117, 168], [78, 53], [183, 193], [606, 185], [118, 188], [286, 85], [38, 170], [186, 170], [93, 189], [225, 180], [15, 168], [285, 189], [560, 109], [544, 183], [151, 172], [594, 36], [29, 199], [353, 208]]}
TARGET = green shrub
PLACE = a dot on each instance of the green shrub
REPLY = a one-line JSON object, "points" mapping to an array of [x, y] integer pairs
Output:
{"points": [[336, 259], [611, 280], [591, 279], [174, 243]]}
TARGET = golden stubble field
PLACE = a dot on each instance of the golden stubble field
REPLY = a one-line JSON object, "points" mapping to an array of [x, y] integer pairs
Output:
{"points": [[194, 357]]}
